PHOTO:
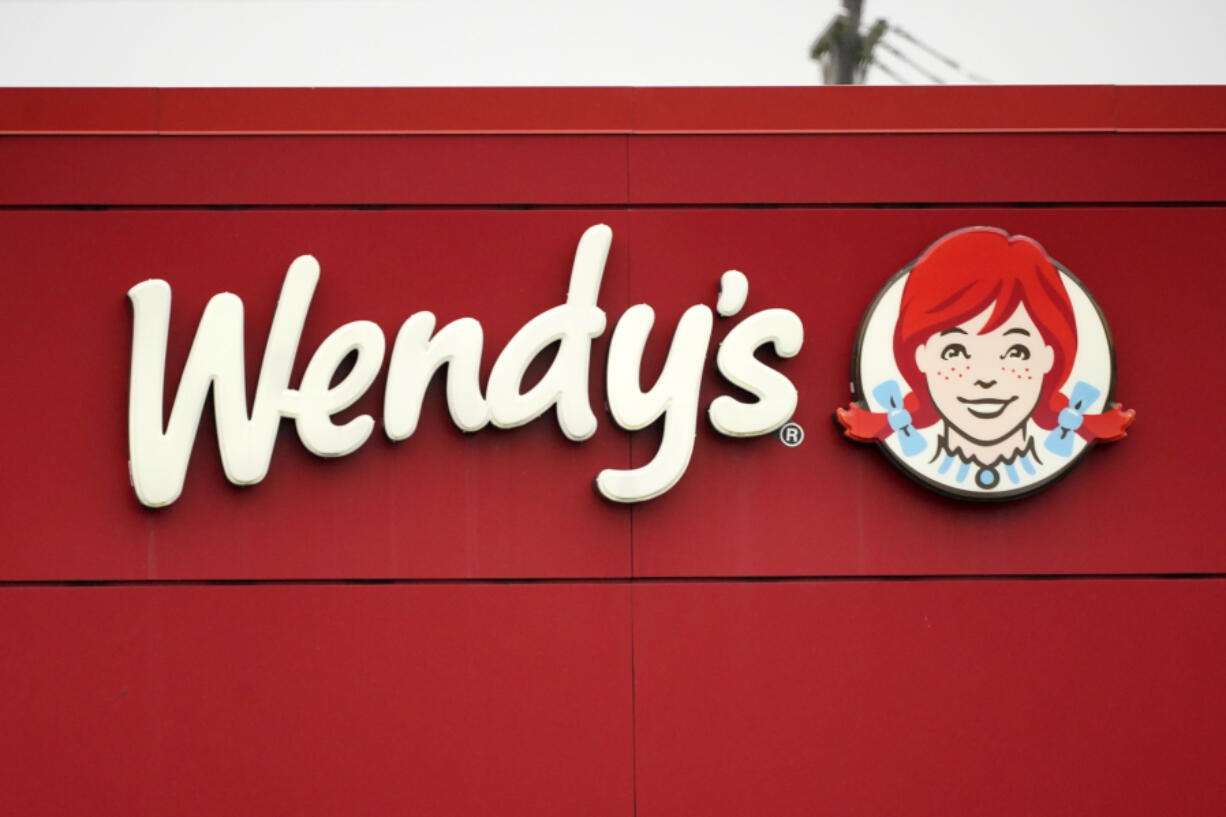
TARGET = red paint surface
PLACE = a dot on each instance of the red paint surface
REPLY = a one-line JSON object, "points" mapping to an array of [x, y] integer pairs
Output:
{"points": [[584, 170], [757, 508], [831, 109], [1184, 108], [905, 169], [273, 700], [78, 110], [441, 504], [516, 503], [984, 695], [393, 110], [312, 170], [813, 109], [930, 698]]}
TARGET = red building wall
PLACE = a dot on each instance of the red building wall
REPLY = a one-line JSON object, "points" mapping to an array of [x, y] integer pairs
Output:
{"points": [[458, 623]]}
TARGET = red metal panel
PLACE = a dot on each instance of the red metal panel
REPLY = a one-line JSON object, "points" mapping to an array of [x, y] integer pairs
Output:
{"points": [[823, 109], [930, 698], [988, 696], [1177, 108], [918, 168], [830, 507], [316, 700], [515, 503], [621, 110], [560, 169], [395, 110], [313, 170], [1151, 503], [78, 110]]}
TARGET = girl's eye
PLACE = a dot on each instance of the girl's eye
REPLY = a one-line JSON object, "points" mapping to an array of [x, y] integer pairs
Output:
{"points": [[1017, 352], [954, 350]]}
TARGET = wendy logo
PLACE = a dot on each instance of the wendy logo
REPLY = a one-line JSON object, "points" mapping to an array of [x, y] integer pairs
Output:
{"points": [[984, 369]]}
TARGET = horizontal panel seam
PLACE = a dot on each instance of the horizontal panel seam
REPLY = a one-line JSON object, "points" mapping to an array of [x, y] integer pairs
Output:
{"points": [[617, 205], [814, 579]]}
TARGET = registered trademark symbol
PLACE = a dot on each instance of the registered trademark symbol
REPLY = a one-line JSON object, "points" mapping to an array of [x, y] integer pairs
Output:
{"points": [[791, 435]]}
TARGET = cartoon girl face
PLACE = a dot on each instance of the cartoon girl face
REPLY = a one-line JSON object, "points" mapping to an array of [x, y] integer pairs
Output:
{"points": [[986, 384], [985, 335], [965, 368]]}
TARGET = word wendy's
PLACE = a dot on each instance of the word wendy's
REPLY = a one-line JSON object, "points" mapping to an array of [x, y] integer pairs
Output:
{"points": [[159, 458]]}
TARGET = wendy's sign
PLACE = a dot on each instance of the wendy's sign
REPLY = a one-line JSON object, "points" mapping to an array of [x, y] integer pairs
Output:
{"points": [[984, 369], [159, 451]]}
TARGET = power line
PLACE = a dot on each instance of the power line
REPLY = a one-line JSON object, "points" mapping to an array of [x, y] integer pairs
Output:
{"points": [[910, 62], [911, 38], [888, 71]]}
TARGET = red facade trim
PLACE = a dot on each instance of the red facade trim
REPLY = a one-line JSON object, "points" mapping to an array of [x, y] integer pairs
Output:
{"points": [[458, 623], [1071, 108]]}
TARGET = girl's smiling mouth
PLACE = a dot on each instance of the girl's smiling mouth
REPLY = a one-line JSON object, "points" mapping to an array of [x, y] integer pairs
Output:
{"points": [[989, 408]]}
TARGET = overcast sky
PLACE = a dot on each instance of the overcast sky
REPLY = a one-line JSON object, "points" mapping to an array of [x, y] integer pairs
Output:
{"points": [[580, 42]]}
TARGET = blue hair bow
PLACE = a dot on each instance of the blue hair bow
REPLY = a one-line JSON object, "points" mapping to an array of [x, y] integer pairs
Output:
{"points": [[889, 395], [1060, 439]]}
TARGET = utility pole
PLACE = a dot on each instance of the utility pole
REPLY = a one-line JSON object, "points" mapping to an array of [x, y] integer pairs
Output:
{"points": [[843, 52], [847, 51]]}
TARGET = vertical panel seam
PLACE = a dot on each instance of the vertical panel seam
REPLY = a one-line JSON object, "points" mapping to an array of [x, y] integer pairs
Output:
{"points": [[634, 715]]}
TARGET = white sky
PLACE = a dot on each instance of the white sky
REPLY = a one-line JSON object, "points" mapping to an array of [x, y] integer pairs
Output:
{"points": [[579, 42]]}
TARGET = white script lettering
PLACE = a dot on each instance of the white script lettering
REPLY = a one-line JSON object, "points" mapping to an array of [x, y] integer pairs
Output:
{"points": [[159, 451]]}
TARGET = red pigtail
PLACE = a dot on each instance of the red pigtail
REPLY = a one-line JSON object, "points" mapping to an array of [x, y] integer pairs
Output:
{"points": [[1107, 427], [866, 426]]}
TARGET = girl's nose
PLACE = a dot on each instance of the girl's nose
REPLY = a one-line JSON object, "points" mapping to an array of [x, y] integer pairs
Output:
{"points": [[985, 384]]}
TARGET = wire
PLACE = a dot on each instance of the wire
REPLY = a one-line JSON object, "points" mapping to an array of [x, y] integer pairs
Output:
{"points": [[910, 62], [888, 71], [911, 38]]}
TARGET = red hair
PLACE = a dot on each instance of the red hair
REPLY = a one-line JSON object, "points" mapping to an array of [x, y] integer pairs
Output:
{"points": [[959, 277], [968, 272]]}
